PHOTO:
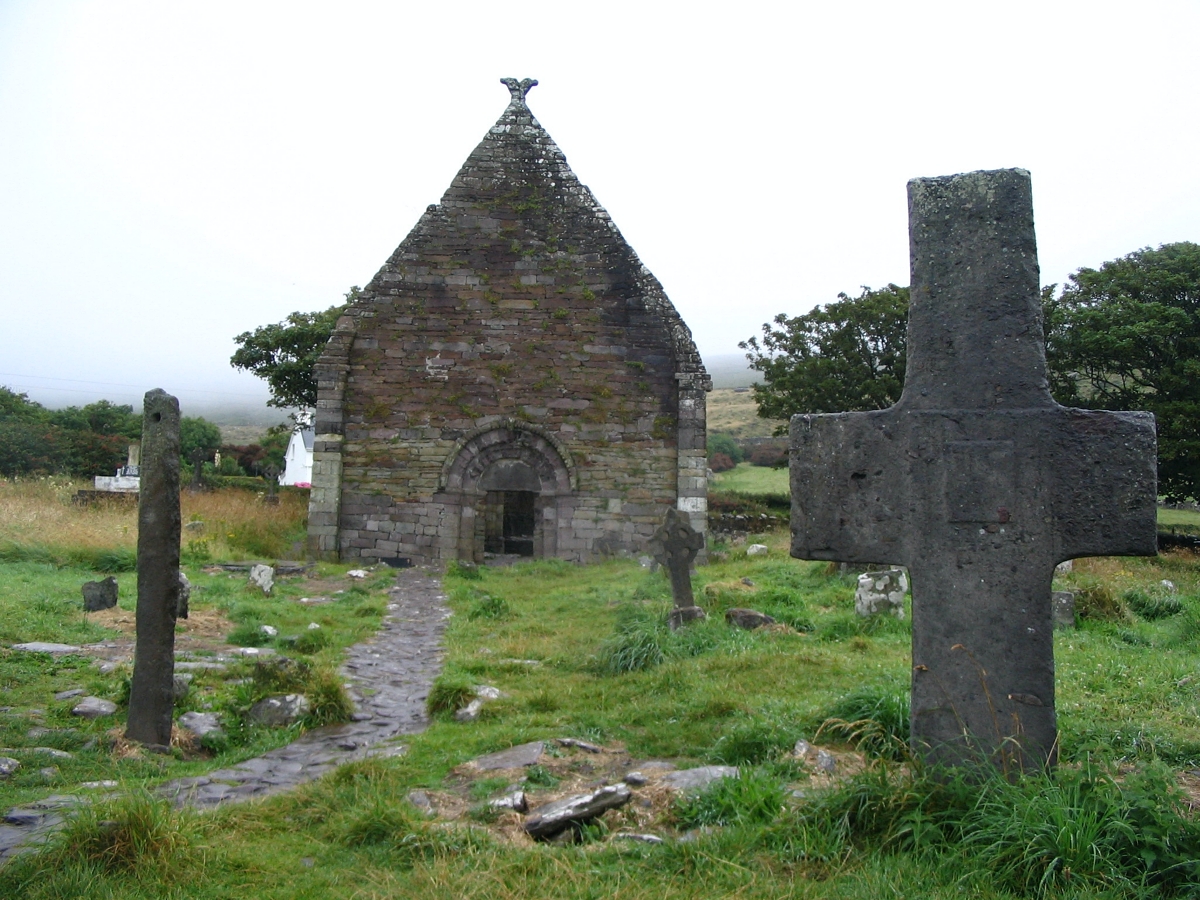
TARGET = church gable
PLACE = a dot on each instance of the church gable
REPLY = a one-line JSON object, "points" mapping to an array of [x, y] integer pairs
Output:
{"points": [[513, 339]]}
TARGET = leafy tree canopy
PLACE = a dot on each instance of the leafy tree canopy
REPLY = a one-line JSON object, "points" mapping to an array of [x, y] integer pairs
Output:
{"points": [[724, 443], [285, 354], [1127, 336], [848, 355], [196, 433], [101, 417]]}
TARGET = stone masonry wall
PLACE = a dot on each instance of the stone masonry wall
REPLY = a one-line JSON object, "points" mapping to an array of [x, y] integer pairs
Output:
{"points": [[514, 304]]}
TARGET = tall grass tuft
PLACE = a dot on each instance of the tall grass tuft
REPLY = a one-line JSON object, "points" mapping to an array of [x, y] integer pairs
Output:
{"points": [[636, 643], [1078, 828], [451, 691], [874, 718], [130, 833], [753, 797]]}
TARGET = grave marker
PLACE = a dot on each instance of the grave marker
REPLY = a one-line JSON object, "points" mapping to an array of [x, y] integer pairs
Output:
{"points": [[976, 479], [152, 693], [675, 545]]}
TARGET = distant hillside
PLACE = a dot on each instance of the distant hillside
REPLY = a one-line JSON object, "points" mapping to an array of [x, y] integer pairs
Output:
{"points": [[730, 370], [733, 411]]}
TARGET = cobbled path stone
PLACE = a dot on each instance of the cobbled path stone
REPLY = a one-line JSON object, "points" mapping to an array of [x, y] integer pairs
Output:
{"points": [[391, 675]]}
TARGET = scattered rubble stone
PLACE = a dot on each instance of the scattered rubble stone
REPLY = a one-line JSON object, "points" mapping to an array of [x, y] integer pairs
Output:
{"points": [[98, 595], [639, 838], [200, 723], [748, 619], [578, 745], [279, 710], [262, 577], [552, 819], [67, 695], [698, 778], [757, 550], [8, 765], [516, 801], [513, 758], [94, 708], [46, 647]]}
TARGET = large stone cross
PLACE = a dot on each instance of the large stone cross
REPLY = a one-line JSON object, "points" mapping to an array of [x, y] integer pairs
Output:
{"points": [[976, 479]]}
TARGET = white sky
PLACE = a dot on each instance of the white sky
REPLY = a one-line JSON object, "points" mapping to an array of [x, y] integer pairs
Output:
{"points": [[174, 173]]}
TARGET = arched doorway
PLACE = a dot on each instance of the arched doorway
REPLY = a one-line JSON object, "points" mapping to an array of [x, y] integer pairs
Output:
{"points": [[515, 485]]}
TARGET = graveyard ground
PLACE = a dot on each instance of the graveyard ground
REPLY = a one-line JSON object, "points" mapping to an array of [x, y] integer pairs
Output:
{"points": [[579, 652]]}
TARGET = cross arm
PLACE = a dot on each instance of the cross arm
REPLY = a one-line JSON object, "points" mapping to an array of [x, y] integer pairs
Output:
{"points": [[849, 500]]}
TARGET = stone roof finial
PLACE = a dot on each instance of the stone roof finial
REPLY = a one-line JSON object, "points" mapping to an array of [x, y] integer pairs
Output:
{"points": [[518, 89]]}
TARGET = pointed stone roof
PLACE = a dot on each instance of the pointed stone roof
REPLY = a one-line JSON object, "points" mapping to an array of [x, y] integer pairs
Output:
{"points": [[516, 204]]}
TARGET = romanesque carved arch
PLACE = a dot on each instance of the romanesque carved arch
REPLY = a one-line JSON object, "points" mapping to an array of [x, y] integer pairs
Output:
{"points": [[522, 448]]}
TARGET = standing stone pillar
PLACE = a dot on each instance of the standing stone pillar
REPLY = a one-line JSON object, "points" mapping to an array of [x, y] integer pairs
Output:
{"points": [[152, 696]]}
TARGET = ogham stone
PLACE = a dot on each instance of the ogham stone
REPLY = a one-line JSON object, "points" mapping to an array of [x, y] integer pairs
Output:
{"points": [[976, 480], [152, 693]]}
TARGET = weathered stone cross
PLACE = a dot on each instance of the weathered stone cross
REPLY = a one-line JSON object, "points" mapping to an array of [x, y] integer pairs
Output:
{"points": [[976, 479]]}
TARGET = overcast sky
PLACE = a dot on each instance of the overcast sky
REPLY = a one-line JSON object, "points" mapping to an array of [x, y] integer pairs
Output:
{"points": [[172, 174]]}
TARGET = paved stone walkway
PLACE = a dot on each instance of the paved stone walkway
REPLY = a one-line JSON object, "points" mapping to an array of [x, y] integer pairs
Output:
{"points": [[391, 676]]}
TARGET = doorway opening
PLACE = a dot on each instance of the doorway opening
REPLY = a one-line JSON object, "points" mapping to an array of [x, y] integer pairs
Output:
{"points": [[509, 523]]}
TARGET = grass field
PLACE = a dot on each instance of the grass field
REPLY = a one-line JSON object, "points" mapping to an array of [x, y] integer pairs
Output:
{"points": [[581, 651], [735, 413], [748, 479]]}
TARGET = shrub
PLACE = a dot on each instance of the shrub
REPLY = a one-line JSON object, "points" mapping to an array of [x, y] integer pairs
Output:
{"points": [[724, 445], [719, 462], [770, 455]]}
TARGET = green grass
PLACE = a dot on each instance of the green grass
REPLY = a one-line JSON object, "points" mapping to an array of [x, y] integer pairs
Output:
{"points": [[1126, 694], [1170, 517], [748, 479], [42, 602]]}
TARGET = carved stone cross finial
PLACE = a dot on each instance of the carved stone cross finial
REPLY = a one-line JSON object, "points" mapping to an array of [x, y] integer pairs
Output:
{"points": [[518, 89], [976, 479], [675, 545]]}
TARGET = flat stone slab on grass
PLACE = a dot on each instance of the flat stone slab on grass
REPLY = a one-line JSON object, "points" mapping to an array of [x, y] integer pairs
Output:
{"points": [[512, 758], [94, 708], [200, 723], [46, 647], [554, 818], [698, 778]]}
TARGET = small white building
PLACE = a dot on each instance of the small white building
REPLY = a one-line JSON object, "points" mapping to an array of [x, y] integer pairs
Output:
{"points": [[298, 460]]}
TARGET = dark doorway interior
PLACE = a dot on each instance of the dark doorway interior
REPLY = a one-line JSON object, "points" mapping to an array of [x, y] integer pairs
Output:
{"points": [[518, 522], [509, 522]]}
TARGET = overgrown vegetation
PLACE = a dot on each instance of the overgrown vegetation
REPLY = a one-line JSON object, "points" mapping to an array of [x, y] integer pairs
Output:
{"points": [[582, 652]]}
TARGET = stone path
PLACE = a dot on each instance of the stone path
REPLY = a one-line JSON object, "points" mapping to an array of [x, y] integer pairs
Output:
{"points": [[391, 676]]}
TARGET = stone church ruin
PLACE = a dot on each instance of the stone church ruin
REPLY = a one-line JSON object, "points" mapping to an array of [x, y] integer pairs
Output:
{"points": [[512, 381]]}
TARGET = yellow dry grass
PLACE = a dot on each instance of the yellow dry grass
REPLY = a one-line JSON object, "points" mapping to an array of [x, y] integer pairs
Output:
{"points": [[41, 512]]}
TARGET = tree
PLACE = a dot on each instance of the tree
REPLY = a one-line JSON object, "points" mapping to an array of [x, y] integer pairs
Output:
{"points": [[845, 356], [196, 433], [719, 442], [285, 354], [1127, 336]]}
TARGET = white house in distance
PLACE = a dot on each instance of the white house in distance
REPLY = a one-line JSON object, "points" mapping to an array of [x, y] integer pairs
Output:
{"points": [[298, 460]]}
